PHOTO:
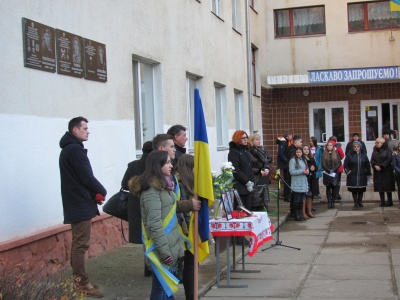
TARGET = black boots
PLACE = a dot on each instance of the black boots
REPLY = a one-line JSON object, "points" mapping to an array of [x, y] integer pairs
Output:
{"points": [[298, 207], [355, 199], [359, 200], [382, 197], [330, 196], [389, 202]]}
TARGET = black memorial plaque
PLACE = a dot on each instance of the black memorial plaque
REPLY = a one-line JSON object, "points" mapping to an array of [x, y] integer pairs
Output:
{"points": [[69, 54], [95, 60], [39, 47]]}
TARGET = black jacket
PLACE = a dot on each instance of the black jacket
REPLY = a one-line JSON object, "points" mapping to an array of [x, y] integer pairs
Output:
{"points": [[282, 159], [135, 168], [78, 184], [357, 168], [179, 152], [383, 179], [241, 159]]}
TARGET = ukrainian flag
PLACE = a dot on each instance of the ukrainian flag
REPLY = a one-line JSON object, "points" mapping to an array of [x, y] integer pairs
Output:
{"points": [[395, 5], [202, 179]]}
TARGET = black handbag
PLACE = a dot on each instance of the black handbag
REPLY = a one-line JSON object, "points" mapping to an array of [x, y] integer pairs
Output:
{"points": [[117, 205]]}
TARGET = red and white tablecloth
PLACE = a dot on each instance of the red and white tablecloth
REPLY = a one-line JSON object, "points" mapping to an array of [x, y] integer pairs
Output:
{"points": [[258, 227]]}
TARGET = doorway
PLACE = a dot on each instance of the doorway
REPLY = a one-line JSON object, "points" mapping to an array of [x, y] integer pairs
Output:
{"points": [[328, 119], [376, 116]]}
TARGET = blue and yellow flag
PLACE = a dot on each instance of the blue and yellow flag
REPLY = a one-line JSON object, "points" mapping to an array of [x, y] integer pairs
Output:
{"points": [[395, 5], [202, 179]]}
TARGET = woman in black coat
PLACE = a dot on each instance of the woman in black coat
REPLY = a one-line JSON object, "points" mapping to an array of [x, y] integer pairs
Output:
{"points": [[357, 168], [241, 159], [396, 167], [381, 161]]}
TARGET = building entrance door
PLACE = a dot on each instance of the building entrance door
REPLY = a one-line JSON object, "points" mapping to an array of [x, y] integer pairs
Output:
{"points": [[376, 116], [328, 119]]}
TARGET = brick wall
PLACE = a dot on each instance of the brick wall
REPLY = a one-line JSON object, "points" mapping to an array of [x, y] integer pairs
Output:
{"points": [[287, 108], [50, 247]]}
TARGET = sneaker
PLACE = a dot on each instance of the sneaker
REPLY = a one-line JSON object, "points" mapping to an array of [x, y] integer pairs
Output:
{"points": [[90, 290]]}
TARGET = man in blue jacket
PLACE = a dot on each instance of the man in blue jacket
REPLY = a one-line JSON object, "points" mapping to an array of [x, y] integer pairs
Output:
{"points": [[81, 193]]}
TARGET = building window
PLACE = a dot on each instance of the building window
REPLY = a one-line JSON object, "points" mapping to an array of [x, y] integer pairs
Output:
{"points": [[221, 114], [372, 16], [144, 101], [192, 82], [216, 7], [253, 69], [300, 21], [252, 4], [239, 110], [236, 15]]}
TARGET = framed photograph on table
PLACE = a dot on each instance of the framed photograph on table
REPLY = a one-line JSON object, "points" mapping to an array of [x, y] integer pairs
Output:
{"points": [[239, 201], [227, 206], [248, 212]]}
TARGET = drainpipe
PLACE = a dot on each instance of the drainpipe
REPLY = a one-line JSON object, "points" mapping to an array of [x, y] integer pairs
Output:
{"points": [[249, 75]]}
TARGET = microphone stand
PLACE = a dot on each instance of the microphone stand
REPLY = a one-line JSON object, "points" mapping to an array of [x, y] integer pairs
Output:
{"points": [[277, 241]]}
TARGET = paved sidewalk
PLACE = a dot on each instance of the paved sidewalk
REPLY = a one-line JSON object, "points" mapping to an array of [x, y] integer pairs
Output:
{"points": [[345, 254]]}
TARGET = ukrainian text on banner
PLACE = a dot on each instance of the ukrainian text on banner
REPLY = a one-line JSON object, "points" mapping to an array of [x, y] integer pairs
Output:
{"points": [[361, 74]]}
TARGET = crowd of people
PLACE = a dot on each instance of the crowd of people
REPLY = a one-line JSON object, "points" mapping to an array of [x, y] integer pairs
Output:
{"points": [[161, 185]]}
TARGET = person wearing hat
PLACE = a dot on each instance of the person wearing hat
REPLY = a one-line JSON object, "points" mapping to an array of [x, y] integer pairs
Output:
{"points": [[136, 168], [391, 144], [358, 169], [349, 146]]}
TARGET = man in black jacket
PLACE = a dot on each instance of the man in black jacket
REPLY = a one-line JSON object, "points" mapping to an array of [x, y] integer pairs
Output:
{"points": [[178, 133], [283, 162], [81, 192]]}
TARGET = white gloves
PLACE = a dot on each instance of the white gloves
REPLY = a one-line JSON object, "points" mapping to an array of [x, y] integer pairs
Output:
{"points": [[250, 186]]}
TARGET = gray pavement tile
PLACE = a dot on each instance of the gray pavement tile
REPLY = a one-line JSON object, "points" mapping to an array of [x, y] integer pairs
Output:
{"points": [[282, 255], [272, 271], [347, 289], [281, 288], [349, 272], [361, 238], [343, 258]]}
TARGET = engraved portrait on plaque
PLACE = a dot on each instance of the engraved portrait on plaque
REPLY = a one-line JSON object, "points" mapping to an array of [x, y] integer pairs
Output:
{"points": [[69, 54], [95, 60], [39, 47]]}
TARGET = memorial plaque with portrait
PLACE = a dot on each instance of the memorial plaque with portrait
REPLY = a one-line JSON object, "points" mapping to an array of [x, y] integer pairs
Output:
{"points": [[39, 46], [95, 60], [69, 54]]}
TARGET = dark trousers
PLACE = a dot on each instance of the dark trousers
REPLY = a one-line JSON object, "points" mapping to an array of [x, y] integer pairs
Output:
{"points": [[315, 185], [188, 275], [80, 244], [286, 187]]}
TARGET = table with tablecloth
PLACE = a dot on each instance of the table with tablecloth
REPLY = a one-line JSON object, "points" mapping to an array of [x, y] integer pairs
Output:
{"points": [[258, 227]]}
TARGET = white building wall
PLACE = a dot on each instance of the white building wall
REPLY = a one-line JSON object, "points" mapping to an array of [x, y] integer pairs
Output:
{"points": [[35, 107]]}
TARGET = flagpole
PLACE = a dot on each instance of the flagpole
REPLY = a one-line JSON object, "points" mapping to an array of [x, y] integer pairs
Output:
{"points": [[196, 254]]}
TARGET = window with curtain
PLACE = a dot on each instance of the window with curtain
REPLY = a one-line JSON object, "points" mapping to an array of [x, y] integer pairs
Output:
{"points": [[144, 102], [300, 21], [221, 116], [372, 16], [236, 15], [192, 82]]}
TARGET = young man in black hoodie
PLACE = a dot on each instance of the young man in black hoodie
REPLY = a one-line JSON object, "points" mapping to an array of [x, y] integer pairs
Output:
{"points": [[81, 194]]}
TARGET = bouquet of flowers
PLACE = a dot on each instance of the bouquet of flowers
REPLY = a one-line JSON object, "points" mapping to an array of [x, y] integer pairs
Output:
{"points": [[224, 181]]}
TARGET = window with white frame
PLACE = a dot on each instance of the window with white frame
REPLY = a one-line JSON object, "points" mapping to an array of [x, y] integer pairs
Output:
{"points": [[192, 82], [217, 7], [221, 116], [239, 110], [236, 15], [254, 68], [144, 102]]}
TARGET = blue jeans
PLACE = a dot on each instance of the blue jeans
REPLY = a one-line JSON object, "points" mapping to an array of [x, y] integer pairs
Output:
{"points": [[157, 291], [298, 197]]}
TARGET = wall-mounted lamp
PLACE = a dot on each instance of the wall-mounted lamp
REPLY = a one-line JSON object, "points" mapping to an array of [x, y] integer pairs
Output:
{"points": [[306, 93], [353, 90]]}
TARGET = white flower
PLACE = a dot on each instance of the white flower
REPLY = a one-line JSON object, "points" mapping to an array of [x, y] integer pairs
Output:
{"points": [[227, 166], [214, 173]]}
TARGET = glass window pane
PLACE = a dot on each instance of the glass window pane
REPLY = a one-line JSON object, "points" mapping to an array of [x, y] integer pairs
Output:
{"points": [[147, 101], [309, 20], [356, 17], [395, 114], [319, 125], [371, 128], [378, 15], [218, 112], [338, 123], [282, 23]]}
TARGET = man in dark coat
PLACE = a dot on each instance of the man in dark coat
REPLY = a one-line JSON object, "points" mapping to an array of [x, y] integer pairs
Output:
{"points": [[178, 133], [81, 193]]}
